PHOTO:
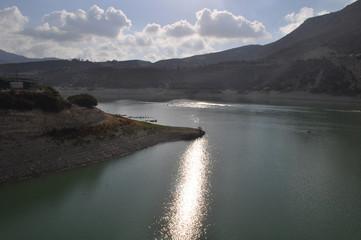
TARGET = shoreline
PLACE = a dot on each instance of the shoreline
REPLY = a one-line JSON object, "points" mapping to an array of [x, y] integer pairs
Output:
{"points": [[26, 154], [163, 95]]}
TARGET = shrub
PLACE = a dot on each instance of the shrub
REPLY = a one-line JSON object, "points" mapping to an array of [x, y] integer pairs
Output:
{"points": [[6, 100], [51, 91], [49, 103], [48, 100], [23, 104], [3, 84], [83, 100]]}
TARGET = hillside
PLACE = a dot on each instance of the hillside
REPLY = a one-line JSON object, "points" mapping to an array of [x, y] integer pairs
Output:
{"points": [[323, 55], [237, 54], [321, 36], [36, 142]]}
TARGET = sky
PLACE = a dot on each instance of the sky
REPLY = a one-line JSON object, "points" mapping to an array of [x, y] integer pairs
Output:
{"points": [[101, 30]]}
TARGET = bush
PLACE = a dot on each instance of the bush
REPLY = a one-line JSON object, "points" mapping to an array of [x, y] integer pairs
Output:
{"points": [[23, 104], [6, 100], [49, 103], [4, 84], [51, 91], [48, 100], [83, 100]]}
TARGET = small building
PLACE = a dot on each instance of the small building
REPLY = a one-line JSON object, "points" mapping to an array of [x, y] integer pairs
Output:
{"points": [[20, 83], [16, 85]]}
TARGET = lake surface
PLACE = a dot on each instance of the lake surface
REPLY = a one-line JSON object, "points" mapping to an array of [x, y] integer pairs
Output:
{"points": [[260, 172]]}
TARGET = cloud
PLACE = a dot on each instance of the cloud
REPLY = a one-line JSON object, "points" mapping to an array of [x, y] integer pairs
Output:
{"points": [[152, 28], [11, 20], [296, 19], [194, 44], [324, 12], [182, 38], [70, 26], [179, 29], [98, 35], [223, 24], [350, 1]]}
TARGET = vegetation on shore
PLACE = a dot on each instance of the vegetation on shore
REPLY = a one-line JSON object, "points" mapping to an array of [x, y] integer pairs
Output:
{"points": [[46, 99], [35, 143], [83, 100], [116, 125]]}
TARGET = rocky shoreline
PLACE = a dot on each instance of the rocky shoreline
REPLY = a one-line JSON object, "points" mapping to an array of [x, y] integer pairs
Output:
{"points": [[35, 143]]}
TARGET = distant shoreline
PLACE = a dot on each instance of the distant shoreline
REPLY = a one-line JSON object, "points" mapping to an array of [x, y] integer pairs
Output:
{"points": [[161, 95]]}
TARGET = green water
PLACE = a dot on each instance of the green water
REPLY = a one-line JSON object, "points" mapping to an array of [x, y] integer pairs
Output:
{"points": [[260, 172]]}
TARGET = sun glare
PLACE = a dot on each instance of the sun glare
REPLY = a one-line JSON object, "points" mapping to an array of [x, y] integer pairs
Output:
{"points": [[184, 217]]}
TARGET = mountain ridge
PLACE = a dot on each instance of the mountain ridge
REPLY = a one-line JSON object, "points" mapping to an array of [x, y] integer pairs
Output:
{"points": [[255, 51], [323, 55], [7, 57], [323, 23]]}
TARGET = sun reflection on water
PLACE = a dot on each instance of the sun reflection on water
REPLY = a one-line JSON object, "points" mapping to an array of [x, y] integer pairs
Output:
{"points": [[184, 216]]}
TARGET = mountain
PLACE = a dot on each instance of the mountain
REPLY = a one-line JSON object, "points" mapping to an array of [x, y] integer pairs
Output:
{"points": [[323, 55], [6, 57], [322, 36], [236, 54], [317, 37]]}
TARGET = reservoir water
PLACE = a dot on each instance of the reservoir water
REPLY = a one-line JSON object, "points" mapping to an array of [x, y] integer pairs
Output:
{"points": [[260, 172]]}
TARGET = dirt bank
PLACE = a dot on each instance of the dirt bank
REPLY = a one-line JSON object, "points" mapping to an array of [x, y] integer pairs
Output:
{"points": [[34, 143]]}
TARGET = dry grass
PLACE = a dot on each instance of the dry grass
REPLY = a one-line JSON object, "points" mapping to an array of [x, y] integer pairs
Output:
{"points": [[112, 126]]}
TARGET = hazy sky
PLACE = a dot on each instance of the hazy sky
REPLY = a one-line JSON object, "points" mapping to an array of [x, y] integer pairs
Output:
{"points": [[148, 29]]}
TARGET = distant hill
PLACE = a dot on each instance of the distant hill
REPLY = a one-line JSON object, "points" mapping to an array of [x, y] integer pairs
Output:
{"points": [[6, 57], [237, 54], [323, 55]]}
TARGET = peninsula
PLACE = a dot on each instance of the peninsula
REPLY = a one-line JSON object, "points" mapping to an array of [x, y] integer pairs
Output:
{"points": [[35, 142]]}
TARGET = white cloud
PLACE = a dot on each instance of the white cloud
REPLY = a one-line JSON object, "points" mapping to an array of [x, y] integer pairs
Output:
{"points": [[296, 19], [350, 1], [98, 35], [324, 12], [194, 44], [11, 20], [179, 29], [152, 28], [303, 14], [69, 26], [187, 46], [223, 24], [182, 38]]}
